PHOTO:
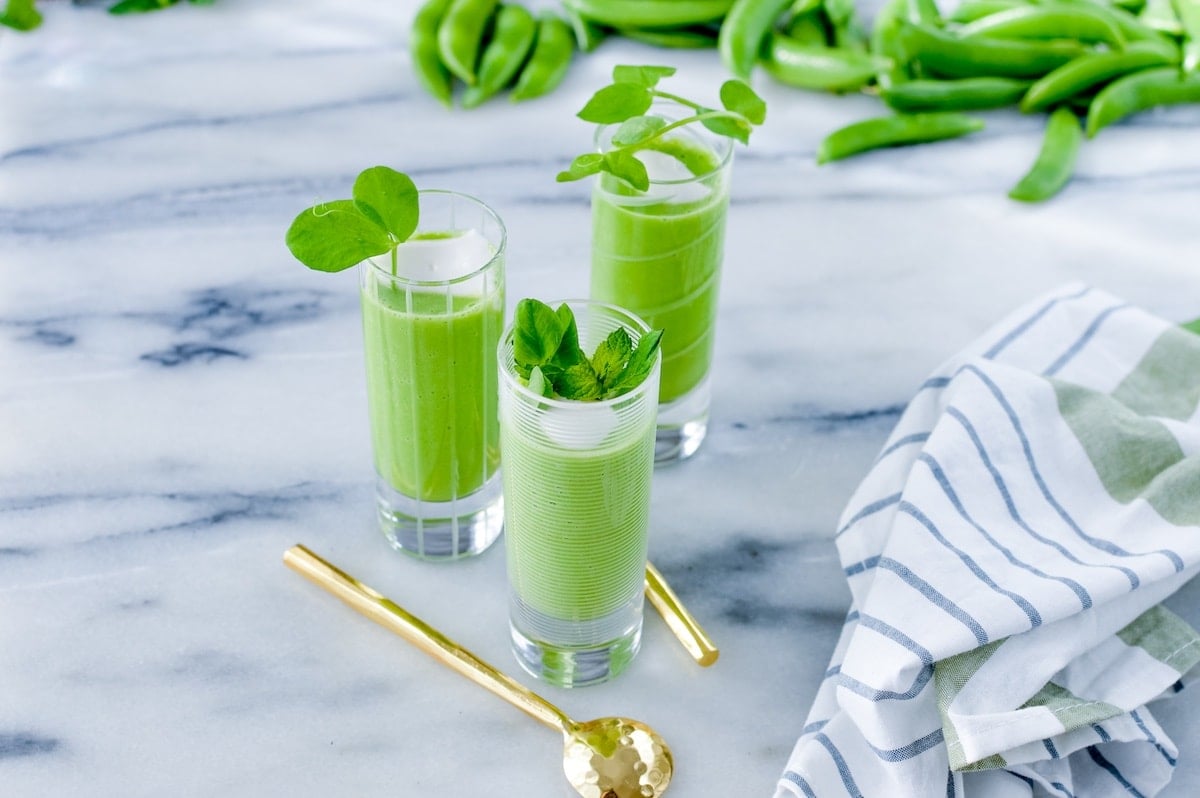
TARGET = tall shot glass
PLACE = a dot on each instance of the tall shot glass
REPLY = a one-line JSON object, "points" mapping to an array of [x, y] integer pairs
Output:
{"points": [[659, 253], [577, 498], [432, 319]]}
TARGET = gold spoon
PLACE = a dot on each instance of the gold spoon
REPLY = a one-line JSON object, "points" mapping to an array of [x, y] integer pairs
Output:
{"points": [[679, 620], [602, 758]]}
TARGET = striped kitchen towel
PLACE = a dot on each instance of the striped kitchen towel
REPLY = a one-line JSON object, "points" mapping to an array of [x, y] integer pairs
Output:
{"points": [[1007, 555]]}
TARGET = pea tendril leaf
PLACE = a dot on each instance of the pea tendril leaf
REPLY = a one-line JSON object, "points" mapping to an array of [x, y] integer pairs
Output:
{"points": [[333, 236], [625, 102]]}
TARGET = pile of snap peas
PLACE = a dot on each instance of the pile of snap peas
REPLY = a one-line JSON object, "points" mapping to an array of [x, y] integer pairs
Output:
{"points": [[1101, 60], [489, 46], [1097, 60]]}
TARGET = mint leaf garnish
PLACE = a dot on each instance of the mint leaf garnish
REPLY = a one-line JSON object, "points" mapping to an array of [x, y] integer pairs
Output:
{"points": [[536, 336], [626, 102], [547, 355], [389, 198], [639, 365], [1194, 326], [538, 382], [579, 382], [611, 355], [333, 236]]}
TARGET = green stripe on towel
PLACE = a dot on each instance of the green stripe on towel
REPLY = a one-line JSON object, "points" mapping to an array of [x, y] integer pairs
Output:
{"points": [[1134, 456], [1164, 636], [1167, 380]]}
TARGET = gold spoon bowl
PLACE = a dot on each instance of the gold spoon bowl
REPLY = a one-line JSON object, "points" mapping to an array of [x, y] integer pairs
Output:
{"points": [[602, 758]]}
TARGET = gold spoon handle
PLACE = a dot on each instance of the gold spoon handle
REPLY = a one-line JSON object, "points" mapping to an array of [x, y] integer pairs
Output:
{"points": [[681, 622], [390, 615]]}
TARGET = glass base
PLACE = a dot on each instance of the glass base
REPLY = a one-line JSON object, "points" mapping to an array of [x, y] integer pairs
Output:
{"points": [[682, 425], [441, 531], [575, 662]]}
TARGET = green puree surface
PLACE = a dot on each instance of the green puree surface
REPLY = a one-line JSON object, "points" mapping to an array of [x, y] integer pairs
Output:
{"points": [[577, 521], [663, 261], [431, 388]]}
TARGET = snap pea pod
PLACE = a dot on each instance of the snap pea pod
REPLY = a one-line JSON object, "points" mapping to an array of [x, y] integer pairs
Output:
{"points": [[423, 49], [1188, 12], [808, 29], [1087, 71], [1160, 15], [1079, 22], [953, 57], [972, 10], [924, 12], [843, 19], [547, 66], [965, 94], [460, 36], [1130, 26], [1056, 160], [743, 31], [1132, 6], [821, 68], [674, 38], [885, 43], [512, 41], [1139, 92], [588, 34], [801, 7], [894, 131], [650, 13]]}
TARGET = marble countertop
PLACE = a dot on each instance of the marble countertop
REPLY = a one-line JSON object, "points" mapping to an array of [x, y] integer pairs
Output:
{"points": [[180, 400]]}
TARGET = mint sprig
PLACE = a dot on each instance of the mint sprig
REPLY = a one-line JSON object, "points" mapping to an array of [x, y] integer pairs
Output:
{"points": [[548, 356], [333, 236], [626, 101]]}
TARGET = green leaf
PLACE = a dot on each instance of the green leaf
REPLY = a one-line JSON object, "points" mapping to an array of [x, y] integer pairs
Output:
{"points": [[732, 126], [139, 6], [738, 97], [616, 103], [538, 382], [1193, 326], [638, 129], [640, 364], [388, 198], [537, 333], [20, 15], [623, 165], [568, 352], [585, 165], [579, 382], [334, 236], [611, 355], [647, 76]]}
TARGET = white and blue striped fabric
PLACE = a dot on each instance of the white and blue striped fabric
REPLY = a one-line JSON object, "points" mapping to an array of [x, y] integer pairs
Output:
{"points": [[1007, 555]]}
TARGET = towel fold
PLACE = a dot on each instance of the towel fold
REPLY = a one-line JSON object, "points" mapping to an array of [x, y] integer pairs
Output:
{"points": [[1007, 555]]}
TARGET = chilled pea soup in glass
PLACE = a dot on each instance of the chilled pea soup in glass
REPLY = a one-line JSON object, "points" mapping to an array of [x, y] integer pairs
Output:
{"points": [[658, 252], [577, 500], [432, 319]]}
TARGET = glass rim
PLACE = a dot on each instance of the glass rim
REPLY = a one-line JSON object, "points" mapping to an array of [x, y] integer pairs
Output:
{"points": [[725, 157], [510, 377], [384, 270]]}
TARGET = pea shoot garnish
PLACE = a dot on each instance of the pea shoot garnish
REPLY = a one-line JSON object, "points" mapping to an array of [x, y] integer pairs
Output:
{"points": [[547, 354], [333, 236], [626, 101]]}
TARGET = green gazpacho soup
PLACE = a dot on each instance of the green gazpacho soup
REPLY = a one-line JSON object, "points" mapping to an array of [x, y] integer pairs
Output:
{"points": [[659, 254], [431, 383], [576, 518]]}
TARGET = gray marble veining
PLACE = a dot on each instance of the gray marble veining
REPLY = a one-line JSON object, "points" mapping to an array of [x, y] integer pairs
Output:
{"points": [[180, 401]]}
